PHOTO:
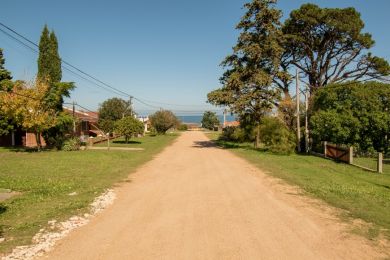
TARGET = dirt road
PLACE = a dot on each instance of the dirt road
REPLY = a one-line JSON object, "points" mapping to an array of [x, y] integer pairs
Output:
{"points": [[195, 201]]}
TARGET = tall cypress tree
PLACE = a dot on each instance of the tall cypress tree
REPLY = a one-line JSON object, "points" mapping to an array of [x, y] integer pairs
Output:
{"points": [[49, 71], [55, 69], [44, 59], [4, 74]]}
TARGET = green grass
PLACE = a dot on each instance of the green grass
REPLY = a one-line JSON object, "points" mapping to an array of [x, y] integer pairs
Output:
{"points": [[362, 194], [45, 179]]}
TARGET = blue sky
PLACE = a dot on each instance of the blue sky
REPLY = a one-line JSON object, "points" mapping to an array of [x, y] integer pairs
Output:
{"points": [[159, 51]]}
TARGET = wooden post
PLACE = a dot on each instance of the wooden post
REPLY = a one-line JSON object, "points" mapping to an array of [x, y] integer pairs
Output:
{"points": [[350, 160], [108, 141], [325, 151], [380, 163], [298, 119]]}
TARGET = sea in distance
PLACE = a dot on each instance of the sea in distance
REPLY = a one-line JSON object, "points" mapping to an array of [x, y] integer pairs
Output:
{"points": [[197, 119]]}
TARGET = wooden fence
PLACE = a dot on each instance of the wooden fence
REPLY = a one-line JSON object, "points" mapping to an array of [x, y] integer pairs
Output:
{"points": [[345, 154]]}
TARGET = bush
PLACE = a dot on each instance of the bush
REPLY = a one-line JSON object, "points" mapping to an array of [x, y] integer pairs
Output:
{"points": [[234, 134], [72, 144], [182, 127], [276, 137], [163, 120]]}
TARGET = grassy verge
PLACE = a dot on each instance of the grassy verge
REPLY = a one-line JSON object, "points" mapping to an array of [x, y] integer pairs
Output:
{"points": [[362, 194], [45, 179]]}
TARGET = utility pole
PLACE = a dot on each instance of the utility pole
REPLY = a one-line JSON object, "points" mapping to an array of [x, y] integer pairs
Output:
{"points": [[131, 105], [306, 120], [298, 118], [74, 119]]}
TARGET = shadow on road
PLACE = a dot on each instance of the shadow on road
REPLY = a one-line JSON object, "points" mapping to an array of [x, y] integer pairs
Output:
{"points": [[204, 144]]}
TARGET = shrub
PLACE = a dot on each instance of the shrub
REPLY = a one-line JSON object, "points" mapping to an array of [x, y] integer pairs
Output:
{"points": [[233, 133], [182, 127], [163, 120], [72, 144], [276, 137]]}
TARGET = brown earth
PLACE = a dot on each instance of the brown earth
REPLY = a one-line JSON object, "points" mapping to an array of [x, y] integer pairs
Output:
{"points": [[196, 201]]}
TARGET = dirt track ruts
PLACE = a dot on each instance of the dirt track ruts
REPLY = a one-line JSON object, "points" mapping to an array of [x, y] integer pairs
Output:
{"points": [[196, 201]]}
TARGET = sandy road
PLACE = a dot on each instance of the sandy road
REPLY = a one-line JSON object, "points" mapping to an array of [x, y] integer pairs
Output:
{"points": [[194, 201]]}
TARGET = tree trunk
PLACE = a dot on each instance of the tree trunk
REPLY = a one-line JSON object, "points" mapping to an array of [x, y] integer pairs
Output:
{"points": [[127, 139], [38, 140], [257, 142]]}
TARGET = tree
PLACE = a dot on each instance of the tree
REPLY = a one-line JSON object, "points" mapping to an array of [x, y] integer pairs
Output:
{"points": [[328, 46], [5, 85], [128, 127], [251, 69], [112, 110], [210, 120], [353, 114], [26, 106], [163, 120], [50, 72]]}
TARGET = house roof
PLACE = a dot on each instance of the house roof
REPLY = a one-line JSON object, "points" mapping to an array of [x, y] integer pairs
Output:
{"points": [[231, 123], [83, 115]]}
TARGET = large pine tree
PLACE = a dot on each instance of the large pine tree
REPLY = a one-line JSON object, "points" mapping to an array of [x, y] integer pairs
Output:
{"points": [[247, 83]]}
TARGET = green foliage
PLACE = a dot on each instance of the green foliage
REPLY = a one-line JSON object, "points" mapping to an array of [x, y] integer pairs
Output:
{"points": [[128, 127], [182, 127], [163, 120], [57, 135], [276, 137], [328, 45], [111, 111], [234, 134], [6, 125], [247, 82], [4, 74], [210, 120], [71, 144], [353, 114]]}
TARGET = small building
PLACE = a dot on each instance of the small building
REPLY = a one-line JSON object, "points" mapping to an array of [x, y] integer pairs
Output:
{"points": [[231, 124]]}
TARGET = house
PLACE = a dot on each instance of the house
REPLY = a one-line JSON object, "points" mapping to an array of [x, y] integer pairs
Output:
{"points": [[86, 123], [19, 137], [231, 124], [145, 120]]}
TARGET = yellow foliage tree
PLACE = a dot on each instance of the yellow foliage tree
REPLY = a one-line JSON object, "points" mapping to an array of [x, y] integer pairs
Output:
{"points": [[27, 107]]}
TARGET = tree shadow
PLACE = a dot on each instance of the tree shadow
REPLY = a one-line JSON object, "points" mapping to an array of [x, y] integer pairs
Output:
{"points": [[22, 149], [204, 144], [124, 142]]}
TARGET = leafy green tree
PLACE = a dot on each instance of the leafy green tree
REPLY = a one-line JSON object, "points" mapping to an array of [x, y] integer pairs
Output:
{"points": [[210, 120], [6, 125], [353, 114], [251, 69], [128, 127], [163, 120], [111, 111], [328, 46]]}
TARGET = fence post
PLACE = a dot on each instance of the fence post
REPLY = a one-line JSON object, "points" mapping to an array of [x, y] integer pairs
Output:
{"points": [[325, 151], [380, 163], [350, 160]]}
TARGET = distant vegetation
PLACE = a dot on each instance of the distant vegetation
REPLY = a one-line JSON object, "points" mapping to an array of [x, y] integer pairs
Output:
{"points": [[210, 120]]}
